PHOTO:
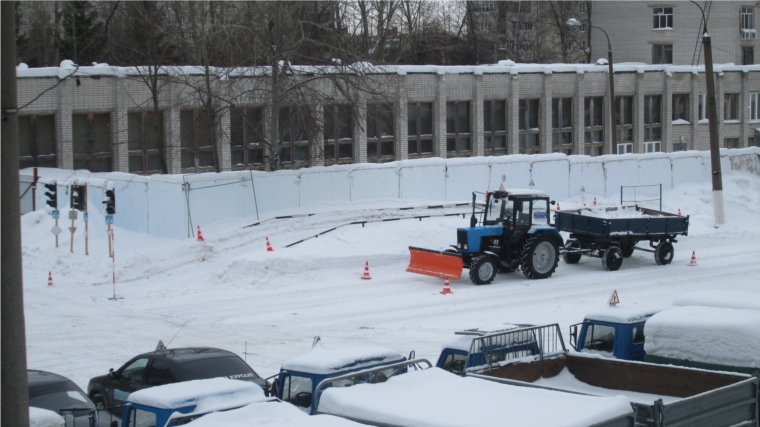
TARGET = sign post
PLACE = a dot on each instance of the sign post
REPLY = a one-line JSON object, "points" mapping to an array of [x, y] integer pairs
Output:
{"points": [[56, 230], [73, 216], [109, 221], [113, 263], [86, 237]]}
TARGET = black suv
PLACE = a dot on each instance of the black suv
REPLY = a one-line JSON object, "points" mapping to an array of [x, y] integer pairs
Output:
{"points": [[165, 367]]}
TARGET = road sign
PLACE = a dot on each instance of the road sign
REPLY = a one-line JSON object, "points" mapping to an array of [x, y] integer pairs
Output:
{"points": [[56, 230], [110, 234], [72, 214], [72, 229], [109, 219], [85, 217], [56, 214]]}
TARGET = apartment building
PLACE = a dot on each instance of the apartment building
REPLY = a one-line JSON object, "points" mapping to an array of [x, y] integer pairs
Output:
{"points": [[661, 32]]}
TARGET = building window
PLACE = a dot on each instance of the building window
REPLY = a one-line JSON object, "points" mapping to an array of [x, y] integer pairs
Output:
{"points": [[524, 26], [246, 137], [731, 143], [680, 146], [145, 134], [420, 128], [703, 108], [583, 7], [754, 106], [662, 54], [593, 125], [339, 141], [753, 141], [663, 18], [381, 143], [36, 139], [624, 123], [652, 147], [748, 23], [530, 130], [484, 25], [296, 136], [583, 45], [92, 142], [484, 7], [562, 125], [458, 128], [681, 109], [525, 45], [495, 127], [748, 55], [652, 118], [195, 141], [731, 106]]}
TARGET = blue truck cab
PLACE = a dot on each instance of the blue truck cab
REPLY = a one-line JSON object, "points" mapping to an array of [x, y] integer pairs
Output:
{"points": [[299, 377], [179, 403], [478, 347], [613, 332]]}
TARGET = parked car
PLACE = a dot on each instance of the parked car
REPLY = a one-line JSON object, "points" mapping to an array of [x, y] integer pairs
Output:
{"points": [[59, 394], [165, 367]]}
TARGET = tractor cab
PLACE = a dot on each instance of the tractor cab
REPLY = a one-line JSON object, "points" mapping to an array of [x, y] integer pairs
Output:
{"points": [[517, 211]]}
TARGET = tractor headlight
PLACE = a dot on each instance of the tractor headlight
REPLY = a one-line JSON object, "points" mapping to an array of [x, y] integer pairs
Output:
{"points": [[496, 242], [465, 246]]}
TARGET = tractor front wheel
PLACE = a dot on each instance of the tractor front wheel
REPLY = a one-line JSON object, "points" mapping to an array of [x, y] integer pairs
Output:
{"points": [[483, 269], [539, 256]]}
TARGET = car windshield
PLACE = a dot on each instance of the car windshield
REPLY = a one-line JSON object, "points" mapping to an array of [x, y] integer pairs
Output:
{"points": [[230, 367], [57, 396]]}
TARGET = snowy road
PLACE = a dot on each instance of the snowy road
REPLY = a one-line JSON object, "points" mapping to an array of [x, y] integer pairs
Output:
{"points": [[228, 291]]}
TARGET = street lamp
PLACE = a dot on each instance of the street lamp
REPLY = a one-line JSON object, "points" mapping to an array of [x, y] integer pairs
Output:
{"points": [[712, 116], [572, 22]]}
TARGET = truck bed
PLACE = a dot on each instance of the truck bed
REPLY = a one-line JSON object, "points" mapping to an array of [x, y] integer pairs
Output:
{"points": [[683, 396], [654, 224]]}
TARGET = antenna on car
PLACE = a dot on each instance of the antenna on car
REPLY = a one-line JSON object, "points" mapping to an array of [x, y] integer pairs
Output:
{"points": [[175, 334]]}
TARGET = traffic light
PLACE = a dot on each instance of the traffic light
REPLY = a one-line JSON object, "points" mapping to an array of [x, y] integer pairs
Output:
{"points": [[79, 197], [52, 195], [110, 201]]}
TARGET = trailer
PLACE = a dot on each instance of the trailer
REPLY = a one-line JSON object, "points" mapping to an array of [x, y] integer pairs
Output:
{"points": [[613, 233]]}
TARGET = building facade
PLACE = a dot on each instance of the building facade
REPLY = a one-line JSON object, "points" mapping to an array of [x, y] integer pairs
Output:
{"points": [[99, 119], [661, 32]]}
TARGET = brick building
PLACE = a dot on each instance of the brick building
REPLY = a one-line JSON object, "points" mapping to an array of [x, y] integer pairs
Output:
{"points": [[97, 118]]}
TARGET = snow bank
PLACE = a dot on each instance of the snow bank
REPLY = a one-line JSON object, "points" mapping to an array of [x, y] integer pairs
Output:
{"points": [[623, 314], [723, 336], [721, 298], [612, 212], [273, 413], [207, 395], [39, 417], [322, 361], [433, 397]]}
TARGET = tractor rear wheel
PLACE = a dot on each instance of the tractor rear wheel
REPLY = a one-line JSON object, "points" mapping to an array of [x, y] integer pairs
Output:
{"points": [[483, 269], [663, 253], [539, 256], [612, 258]]}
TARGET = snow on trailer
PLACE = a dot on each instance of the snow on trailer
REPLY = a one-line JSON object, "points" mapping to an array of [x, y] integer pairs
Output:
{"points": [[266, 414], [720, 298], [323, 361]]}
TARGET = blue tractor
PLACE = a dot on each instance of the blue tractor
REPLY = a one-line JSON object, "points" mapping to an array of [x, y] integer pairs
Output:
{"points": [[511, 232]]}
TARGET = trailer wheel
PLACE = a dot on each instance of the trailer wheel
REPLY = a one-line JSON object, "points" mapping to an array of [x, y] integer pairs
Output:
{"points": [[572, 258], [627, 248], [538, 258], [483, 269], [612, 258], [663, 253]]}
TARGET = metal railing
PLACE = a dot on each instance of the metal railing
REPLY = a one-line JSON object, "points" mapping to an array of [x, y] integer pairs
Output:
{"points": [[541, 341], [637, 197]]}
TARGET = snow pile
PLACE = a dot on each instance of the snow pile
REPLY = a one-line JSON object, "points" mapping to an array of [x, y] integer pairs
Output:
{"points": [[433, 397], [721, 298], [723, 336], [39, 417], [623, 313], [206, 395], [612, 212], [273, 413], [322, 361]]}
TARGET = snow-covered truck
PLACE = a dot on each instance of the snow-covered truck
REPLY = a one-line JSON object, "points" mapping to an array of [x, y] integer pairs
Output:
{"points": [[660, 395], [714, 330]]}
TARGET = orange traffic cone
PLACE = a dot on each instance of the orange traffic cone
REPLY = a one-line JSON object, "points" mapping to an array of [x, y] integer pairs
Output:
{"points": [[200, 235], [679, 211], [693, 262], [594, 201], [269, 246], [366, 272], [50, 278], [557, 205], [446, 288]]}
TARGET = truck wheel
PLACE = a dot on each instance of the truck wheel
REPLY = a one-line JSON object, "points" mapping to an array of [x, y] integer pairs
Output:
{"points": [[612, 258], [627, 248], [663, 253], [539, 256], [509, 267], [483, 269]]}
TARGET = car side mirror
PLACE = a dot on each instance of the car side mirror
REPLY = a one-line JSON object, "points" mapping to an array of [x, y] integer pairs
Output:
{"points": [[303, 399], [552, 202], [573, 336], [112, 374]]}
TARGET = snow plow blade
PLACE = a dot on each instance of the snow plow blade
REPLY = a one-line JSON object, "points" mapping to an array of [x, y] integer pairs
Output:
{"points": [[435, 263]]}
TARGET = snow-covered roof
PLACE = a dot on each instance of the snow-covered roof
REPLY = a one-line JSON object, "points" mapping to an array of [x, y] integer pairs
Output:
{"points": [[206, 395], [67, 69], [721, 298], [275, 414], [624, 314], [424, 398], [723, 336], [525, 192], [463, 340], [39, 417], [322, 361]]}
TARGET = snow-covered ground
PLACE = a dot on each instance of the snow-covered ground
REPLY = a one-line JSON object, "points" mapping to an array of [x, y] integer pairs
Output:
{"points": [[229, 292]]}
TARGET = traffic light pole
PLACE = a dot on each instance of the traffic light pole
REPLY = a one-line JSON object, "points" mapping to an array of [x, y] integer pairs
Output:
{"points": [[72, 214], [56, 236], [86, 223]]}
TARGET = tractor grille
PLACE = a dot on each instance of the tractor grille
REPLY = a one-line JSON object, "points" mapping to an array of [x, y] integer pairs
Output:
{"points": [[461, 239]]}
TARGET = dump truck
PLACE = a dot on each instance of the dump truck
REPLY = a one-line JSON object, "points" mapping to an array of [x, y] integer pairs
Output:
{"points": [[660, 395], [512, 232]]}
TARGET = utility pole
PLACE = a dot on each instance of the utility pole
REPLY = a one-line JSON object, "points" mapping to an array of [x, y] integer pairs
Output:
{"points": [[15, 396]]}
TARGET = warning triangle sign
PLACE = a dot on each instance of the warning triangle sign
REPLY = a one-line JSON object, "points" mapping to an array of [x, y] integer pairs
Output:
{"points": [[160, 346], [501, 188], [614, 298]]}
